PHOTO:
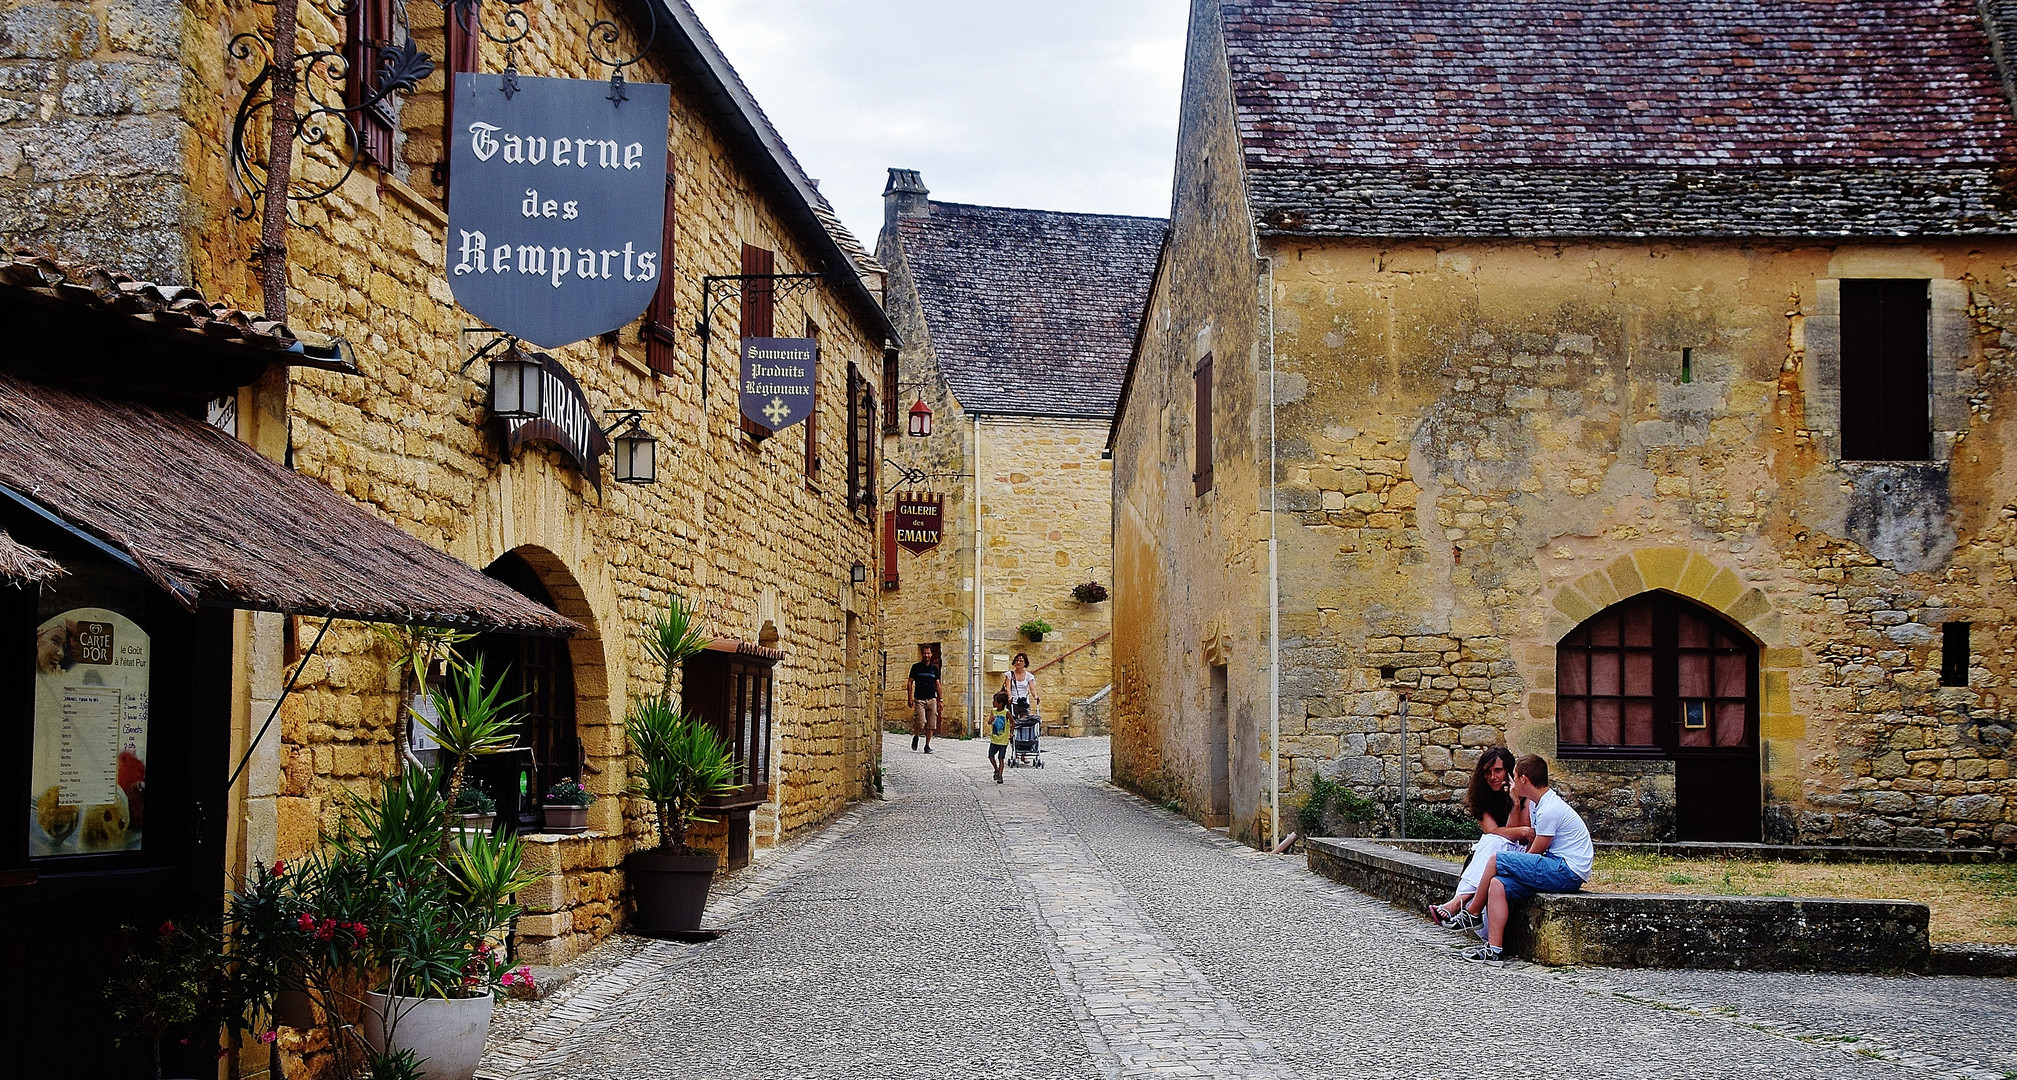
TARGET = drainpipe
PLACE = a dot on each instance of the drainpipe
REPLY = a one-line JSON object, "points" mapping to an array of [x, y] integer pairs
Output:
{"points": [[1274, 589], [977, 634]]}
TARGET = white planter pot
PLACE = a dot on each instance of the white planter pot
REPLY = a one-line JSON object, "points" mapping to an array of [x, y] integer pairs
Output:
{"points": [[445, 1033]]}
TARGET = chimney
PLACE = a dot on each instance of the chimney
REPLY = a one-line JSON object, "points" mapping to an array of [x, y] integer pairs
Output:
{"points": [[905, 196]]}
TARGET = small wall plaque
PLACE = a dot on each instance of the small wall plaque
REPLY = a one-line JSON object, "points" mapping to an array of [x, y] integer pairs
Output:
{"points": [[1695, 714]]}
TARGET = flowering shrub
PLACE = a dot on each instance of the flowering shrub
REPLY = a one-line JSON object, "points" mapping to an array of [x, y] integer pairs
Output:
{"points": [[569, 793], [1091, 592]]}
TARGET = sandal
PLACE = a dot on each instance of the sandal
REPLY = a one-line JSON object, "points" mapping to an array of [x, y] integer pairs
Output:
{"points": [[1438, 916]]}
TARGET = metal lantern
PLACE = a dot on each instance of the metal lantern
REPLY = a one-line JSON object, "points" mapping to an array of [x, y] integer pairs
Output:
{"points": [[860, 573], [517, 386], [636, 457], [920, 419]]}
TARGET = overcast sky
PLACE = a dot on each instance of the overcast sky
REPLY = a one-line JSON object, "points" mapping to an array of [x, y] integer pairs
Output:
{"points": [[1050, 104]]}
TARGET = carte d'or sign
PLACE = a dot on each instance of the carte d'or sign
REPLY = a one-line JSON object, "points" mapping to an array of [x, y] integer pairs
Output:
{"points": [[565, 422], [920, 520], [556, 204], [777, 380]]}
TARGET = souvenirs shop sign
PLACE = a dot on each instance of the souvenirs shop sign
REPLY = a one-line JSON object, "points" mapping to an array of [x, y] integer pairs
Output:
{"points": [[777, 380], [920, 520], [556, 204], [565, 422]]}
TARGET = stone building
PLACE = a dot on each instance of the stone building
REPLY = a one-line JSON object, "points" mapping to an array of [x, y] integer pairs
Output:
{"points": [[1632, 389], [116, 148], [1016, 327]]}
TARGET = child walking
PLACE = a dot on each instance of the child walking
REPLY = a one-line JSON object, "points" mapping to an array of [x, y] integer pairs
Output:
{"points": [[998, 731]]}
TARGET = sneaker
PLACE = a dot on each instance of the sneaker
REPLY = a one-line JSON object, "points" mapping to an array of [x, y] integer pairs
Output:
{"points": [[1485, 954], [1463, 920], [997, 778], [913, 744]]}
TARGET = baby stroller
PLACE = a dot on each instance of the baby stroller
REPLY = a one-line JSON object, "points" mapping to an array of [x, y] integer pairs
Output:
{"points": [[1023, 738]]}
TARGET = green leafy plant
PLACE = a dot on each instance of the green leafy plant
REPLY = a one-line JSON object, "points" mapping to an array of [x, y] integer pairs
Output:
{"points": [[166, 980], [470, 801], [1330, 800], [1090, 592], [415, 650], [569, 793], [469, 720], [1035, 628], [684, 763], [1437, 822], [674, 636]]}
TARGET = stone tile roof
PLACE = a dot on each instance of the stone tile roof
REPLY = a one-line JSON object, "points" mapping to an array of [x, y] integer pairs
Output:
{"points": [[175, 310], [1479, 117], [1031, 312]]}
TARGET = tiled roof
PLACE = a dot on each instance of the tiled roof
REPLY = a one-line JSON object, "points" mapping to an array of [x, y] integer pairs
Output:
{"points": [[1031, 312], [1418, 98]]}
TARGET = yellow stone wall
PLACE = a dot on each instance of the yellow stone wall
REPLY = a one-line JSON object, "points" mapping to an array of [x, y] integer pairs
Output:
{"points": [[732, 522]]}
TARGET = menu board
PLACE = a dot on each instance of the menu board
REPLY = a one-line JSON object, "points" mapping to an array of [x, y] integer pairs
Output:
{"points": [[88, 782]]}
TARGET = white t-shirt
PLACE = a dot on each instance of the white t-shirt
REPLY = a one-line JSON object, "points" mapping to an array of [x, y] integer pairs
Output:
{"points": [[1571, 843]]}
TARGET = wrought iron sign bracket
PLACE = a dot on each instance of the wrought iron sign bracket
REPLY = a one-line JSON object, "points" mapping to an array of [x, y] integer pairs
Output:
{"points": [[631, 417], [907, 476], [719, 289], [499, 339]]}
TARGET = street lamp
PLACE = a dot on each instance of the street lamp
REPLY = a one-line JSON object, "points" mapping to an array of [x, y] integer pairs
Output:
{"points": [[860, 572], [635, 451], [517, 386], [920, 419]]}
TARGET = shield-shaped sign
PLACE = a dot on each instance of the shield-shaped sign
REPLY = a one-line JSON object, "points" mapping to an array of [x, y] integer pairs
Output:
{"points": [[777, 380], [556, 204], [920, 520]]}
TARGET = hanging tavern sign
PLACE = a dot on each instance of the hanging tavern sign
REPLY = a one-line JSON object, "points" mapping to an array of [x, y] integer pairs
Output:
{"points": [[920, 520], [777, 379], [565, 422], [556, 204]]}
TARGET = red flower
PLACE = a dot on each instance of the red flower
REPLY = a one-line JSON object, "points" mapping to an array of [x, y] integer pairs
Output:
{"points": [[306, 921], [167, 928], [326, 931], [269, 1036], [280, 868]]}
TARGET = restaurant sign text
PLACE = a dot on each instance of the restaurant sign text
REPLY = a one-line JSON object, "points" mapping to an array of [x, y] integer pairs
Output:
{"points": [[565, 422], [556, 204]]}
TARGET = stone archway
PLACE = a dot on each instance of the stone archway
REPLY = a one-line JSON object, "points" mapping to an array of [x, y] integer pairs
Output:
{"points": [[1713, 586], [597, 730]]}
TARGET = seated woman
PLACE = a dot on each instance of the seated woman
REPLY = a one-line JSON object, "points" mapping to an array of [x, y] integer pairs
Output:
{"points": [[1502, 821]]}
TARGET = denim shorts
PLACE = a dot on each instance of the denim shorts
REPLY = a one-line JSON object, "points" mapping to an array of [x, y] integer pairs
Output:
{"points": [[1524, 875]]}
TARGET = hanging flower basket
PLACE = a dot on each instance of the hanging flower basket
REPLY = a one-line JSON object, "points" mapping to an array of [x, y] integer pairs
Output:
{"points": [[1092, 592]]}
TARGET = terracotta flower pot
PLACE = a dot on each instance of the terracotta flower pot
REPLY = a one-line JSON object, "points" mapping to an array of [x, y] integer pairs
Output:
{"points": [[670, 890], [565, 819], [446, 1034]]}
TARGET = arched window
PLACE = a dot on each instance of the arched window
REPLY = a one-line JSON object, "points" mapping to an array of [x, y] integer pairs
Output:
{"points": [[539, 671], [1655, 675]]}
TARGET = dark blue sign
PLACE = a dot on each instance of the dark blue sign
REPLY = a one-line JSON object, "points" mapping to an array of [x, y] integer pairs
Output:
{"points": [[556, 204], [777, 380]]}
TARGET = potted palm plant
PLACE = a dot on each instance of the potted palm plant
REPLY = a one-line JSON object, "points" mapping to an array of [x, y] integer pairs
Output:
{"points": [[566, 807], [682, 763]]}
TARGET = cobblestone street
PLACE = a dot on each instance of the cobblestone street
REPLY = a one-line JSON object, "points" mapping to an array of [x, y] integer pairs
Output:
{"points": [[1055, 926]]}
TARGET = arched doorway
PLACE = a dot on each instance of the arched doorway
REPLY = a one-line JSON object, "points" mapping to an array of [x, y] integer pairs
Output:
{"points": [[540, 672], [1660, 676]]}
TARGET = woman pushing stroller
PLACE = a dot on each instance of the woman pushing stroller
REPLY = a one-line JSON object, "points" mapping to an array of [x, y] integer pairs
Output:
{"points": [[1503, 825]]}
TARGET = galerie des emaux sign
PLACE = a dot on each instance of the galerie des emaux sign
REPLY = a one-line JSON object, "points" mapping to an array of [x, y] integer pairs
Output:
{"points": [[556, 204]]}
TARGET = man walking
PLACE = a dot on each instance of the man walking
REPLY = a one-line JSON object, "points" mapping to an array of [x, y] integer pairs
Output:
{"points": [[1557, 859], [924, 697]]}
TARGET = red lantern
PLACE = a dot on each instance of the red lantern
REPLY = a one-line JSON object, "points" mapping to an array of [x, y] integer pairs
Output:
{"points": [[920, 419]]}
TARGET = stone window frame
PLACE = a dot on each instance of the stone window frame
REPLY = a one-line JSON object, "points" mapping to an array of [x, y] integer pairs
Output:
{"points": [[1949, 347]]}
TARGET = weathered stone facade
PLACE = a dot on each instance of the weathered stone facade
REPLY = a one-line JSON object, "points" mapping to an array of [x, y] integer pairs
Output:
{"points": [[1478, 444], [739, 524], [1012, 342]]}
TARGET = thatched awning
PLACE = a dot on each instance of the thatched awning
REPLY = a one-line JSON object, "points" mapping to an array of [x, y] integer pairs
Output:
{"points": [[211, 522], [23, 565]]}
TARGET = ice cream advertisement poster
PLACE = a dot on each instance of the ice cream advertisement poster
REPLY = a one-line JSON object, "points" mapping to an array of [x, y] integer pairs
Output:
{"points": [[89, 780]]}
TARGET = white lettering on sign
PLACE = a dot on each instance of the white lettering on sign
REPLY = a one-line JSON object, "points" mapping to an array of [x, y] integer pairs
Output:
{"points": [[476, 256], [531, 149], [564, 408]]}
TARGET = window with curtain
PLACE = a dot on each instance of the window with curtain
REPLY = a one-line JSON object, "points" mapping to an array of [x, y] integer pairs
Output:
{"points": [[1651, 675]]}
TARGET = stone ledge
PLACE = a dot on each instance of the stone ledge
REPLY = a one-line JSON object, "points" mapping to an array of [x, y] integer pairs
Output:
{"points": [[1827, 853], [1636, 930], [1976, 961]]}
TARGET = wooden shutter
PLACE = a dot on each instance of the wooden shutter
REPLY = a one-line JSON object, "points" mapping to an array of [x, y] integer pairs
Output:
{"points": [[890, 421], [812, 410], [759, 307], [660, 336], [1201, 479], [367, 28], [855, 390], [1886, 393], [462, 34], [889, 549]]}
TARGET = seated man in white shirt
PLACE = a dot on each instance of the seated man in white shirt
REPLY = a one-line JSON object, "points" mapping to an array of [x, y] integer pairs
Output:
{"points": [[1557, 859]]}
